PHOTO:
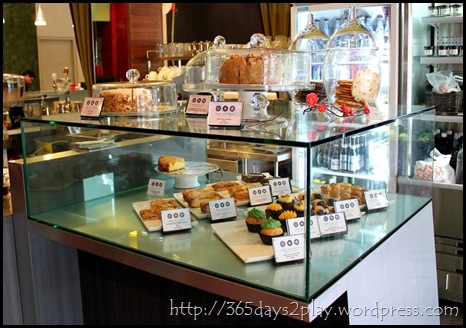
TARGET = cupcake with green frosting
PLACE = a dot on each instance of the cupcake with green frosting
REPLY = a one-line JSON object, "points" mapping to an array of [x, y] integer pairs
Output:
{"points": [[269, 229], [254, 218]]}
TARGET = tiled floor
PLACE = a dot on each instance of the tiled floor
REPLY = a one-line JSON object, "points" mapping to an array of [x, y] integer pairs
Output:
{"points": [[455, 317]]}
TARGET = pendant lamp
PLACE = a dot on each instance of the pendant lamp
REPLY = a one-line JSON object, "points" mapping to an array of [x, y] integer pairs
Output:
{"points": [[40, 20]]}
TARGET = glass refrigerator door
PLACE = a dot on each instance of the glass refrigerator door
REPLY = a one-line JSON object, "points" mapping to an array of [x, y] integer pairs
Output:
{"points": [[380, 19]]}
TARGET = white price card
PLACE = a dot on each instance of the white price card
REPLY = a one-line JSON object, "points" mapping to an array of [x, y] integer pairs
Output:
{"points": [[198, 104], [288, 248], [176, 220], [298, 225], [92, 106], [260, 195], [332, 223], [222, 209], [350, 207], [173, 243], [197, 125], [225, 113], [280, 186], [376, 199], [156, 187]]}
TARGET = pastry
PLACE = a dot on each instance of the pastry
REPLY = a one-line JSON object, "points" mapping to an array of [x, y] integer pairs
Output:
{"points": [[287, 201], [300, 196], [252, 177], [229, 72], [286, 215], [273, 210], [156, 208], [299, 208], [325, 190], [195, 197], [269, 229], [242, 70], [334, 193], [170, 163], [254, 219]]}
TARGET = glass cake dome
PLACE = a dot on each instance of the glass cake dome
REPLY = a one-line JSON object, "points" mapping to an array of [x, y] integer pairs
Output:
{"points": [[352, 65], [314, 41]]}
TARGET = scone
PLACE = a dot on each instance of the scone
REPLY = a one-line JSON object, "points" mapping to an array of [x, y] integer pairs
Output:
{"points": [[171, 163]]}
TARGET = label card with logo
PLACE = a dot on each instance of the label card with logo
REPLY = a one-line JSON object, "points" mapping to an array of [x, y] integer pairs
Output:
{"points": [[197, 124], [298, 225], [177, 242], [222, 209], [280, 186], [288, 248], [260, 195], [350, 207], [176, 220], [332, 223], [156, 187], [92, 106], [198, 104], [225, 113], [376, 199]]}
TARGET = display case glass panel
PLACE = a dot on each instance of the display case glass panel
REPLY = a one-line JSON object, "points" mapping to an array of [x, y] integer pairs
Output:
{"points": [[88, 177]]}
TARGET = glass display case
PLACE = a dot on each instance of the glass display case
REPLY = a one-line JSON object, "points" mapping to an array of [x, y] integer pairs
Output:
{"points": [[89, 178]]}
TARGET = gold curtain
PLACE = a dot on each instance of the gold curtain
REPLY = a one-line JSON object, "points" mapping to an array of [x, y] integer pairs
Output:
{"points": [[276, 18], [82, 21]]}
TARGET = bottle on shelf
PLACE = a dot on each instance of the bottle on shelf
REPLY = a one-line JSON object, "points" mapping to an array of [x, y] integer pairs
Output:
{"points": [[459, 166], [455, 149], [344, 156], [379, 32], [337, 24], [353, 160], [325, 27], [335, 159]]}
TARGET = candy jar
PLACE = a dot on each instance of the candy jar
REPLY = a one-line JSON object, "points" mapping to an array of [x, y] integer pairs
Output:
{"points": [[352, 67], [312, 40]]}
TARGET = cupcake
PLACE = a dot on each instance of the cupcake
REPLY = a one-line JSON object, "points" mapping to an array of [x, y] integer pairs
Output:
{"points": [[299, 208], [254, 219], [273, 210], [270, 228], [300, 196], [285, 216], [287, 201]]}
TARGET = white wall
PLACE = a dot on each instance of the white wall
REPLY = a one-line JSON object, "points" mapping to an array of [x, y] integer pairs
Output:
{"points": [[57, 45]]}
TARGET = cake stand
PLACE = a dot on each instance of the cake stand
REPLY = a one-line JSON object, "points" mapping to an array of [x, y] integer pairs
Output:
{"points": [[188, 177]]}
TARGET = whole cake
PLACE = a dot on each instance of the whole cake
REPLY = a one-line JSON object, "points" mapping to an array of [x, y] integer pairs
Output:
{"points": [[170, 163], [127, 100]]}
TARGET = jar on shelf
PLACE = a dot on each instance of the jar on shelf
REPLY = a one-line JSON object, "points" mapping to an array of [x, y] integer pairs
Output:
{"points": [[456, 9], [429, 50], [442, 51], [433, 11], [453, 51], [352, 65], [444, 10]]}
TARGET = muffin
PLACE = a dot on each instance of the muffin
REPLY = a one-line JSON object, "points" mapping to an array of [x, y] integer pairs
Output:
{"points": [[287, 201], [334, 193], [286, 215], [273, 210], [270, 228], [299, 208], [254, 219], [300, 196], [325, 190]]}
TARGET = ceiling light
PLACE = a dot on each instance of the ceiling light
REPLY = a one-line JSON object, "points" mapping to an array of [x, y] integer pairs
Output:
{"points": [[40, 20]]}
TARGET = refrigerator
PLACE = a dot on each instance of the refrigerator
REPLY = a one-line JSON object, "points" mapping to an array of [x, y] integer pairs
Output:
{"points": [[411, 27], [382, 19]]}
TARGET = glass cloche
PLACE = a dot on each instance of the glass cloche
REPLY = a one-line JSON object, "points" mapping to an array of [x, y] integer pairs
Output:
{"points": [[352, 66], [137, 98], [314, 41]]}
